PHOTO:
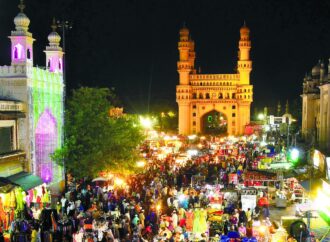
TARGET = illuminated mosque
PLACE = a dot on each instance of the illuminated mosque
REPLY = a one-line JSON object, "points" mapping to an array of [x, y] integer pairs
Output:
{"points": [[40, 91], [213, 103]]}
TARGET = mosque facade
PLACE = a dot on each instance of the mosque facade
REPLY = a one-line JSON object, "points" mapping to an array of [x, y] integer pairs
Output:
{"points": [[41, 92], [316, 106]]}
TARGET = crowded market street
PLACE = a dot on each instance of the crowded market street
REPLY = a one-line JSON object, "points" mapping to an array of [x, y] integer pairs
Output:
{"points": [[189, 189], [164, 121]]}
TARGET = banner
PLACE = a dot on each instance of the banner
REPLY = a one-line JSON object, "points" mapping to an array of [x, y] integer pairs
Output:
{"points": [[233, 179], [328, 168], [248, 201]]}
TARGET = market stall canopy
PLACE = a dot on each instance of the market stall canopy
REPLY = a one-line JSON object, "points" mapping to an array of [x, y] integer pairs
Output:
{"points": [[25, 180], [6, 185], [99, 179]]}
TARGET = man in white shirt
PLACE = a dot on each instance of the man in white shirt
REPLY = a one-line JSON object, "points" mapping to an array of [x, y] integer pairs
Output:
{"points": [[63, 204]]}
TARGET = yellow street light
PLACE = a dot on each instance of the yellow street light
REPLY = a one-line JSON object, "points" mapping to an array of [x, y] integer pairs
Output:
{"points": [[146, 122], [140, 163], [261, 116]]}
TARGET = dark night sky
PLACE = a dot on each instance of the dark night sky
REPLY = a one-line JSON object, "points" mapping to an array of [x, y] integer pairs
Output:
{"points": [[124, 43]]}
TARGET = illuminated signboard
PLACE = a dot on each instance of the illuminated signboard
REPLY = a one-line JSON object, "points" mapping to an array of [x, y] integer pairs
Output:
{"points": [[328, 168]]}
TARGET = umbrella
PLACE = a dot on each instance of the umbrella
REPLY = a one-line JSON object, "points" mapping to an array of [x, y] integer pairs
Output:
{"points": [[6, 185], [99, 179], [263, 201]]}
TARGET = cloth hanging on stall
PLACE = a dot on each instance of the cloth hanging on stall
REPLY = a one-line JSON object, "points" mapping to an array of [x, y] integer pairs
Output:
{"points": [[196, 227], [202, 220], [189, 220], [2, 212], [19, 199]]}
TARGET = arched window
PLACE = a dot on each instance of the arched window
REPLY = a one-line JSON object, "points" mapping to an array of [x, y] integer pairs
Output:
{"points": [[233, 95], [15, 53], [60, 64], [220, 95], [207, 95], [28, 54], [201, 96], [194, 95], [18, 51]]}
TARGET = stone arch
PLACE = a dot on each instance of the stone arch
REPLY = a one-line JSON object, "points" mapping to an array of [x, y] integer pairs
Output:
{"points": [[46, 137], [214, 122]]}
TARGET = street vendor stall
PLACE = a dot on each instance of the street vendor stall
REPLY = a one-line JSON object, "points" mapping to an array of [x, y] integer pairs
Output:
{"points": [[249, 198]]}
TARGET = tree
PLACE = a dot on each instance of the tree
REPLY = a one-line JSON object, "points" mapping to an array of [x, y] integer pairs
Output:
{"points": [[95, 142]]}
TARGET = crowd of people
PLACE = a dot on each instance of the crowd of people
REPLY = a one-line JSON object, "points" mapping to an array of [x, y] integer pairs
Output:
{"points": [[166, 202]]}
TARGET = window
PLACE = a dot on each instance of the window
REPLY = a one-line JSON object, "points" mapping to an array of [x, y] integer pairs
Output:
{"points": [[233, 95], [194, 95], [6, 141], [60, 64], [18, 51], [201, 96], [207, 96], [194, 106], [220, 95], [194, 114], [233, 123], [194, 123], [233, 115], [233, 107], [28, 54]]}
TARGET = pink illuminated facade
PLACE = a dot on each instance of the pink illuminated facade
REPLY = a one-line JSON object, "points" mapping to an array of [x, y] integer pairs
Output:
{"points": [[41, 90], [45, 144]]}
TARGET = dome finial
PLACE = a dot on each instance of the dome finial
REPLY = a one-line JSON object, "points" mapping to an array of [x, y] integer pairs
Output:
{"points": [[54, 26], [244, 23], [21, 5]]}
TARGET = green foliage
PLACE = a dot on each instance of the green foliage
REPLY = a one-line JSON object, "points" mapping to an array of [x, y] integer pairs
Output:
{"points": [[93, 141]]}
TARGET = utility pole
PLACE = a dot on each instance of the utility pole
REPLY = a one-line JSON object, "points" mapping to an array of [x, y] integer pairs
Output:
{"points": [[64, 25]]}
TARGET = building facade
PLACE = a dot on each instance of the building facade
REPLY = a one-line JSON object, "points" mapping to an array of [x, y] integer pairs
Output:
{"points": [[41, 92], [315, 106], [213, 103]]}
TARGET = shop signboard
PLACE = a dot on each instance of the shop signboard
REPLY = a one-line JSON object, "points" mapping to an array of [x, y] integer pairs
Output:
{"points": [[248, 201], [328, 168]]}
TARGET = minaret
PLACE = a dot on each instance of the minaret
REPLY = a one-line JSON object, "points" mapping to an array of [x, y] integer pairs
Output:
{"points": [[185, 65], [192, 54], [183, 90], [21, 39], [287, 107], [244, 65], [279, 108], [54, 53]]}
